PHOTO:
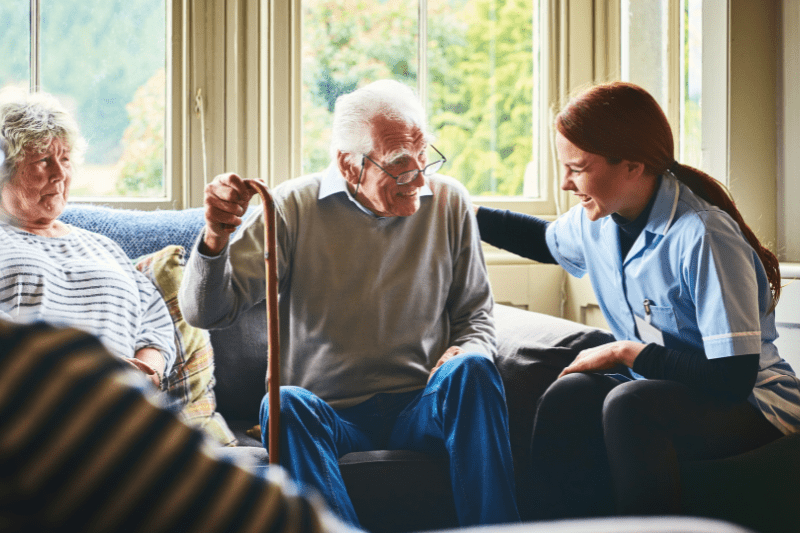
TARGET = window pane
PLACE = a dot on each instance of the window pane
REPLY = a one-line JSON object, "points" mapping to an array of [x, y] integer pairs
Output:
{"points": [[106, 61], [479, 80], [643, 46], [15, 42], [692, 84], [481, 68], [645, 61], [347, 45]]}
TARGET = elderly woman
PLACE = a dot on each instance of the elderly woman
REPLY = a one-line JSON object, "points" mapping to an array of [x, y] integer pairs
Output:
{"points": [[59, 273]]}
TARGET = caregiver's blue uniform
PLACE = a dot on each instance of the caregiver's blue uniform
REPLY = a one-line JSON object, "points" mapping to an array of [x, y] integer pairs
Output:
{"points": [[705, 285]]}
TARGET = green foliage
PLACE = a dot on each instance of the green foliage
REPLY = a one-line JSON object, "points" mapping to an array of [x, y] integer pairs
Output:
{"points": [[142, 161], [348, 44], [95, 54], [100, 57], [480, 71]]}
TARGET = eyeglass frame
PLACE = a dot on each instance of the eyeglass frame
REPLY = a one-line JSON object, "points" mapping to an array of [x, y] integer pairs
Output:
{"points": [[413, 172]]}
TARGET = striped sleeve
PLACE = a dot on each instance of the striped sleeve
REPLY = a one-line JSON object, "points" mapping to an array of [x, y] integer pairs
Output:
{"points": [[84, 448], [83, 280]]}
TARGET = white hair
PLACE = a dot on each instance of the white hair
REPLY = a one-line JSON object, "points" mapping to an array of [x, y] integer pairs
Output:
{"points": [[355, 112], [32, 121]]}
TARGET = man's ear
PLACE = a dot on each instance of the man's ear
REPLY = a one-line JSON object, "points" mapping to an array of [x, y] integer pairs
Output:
{"points": [[346, 168]]}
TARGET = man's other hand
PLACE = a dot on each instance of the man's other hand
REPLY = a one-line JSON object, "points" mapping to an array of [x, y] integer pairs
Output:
{"points": [[448, 354]]}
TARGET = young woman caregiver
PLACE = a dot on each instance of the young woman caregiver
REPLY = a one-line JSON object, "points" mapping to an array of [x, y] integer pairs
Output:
{"points": [[688, 292]]}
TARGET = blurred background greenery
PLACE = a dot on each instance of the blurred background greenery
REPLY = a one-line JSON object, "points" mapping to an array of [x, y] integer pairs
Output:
{"points": [[105, 59]]}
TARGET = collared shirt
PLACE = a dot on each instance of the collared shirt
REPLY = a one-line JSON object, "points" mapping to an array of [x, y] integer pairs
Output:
{"points": [[705, 285], [334, 183]]}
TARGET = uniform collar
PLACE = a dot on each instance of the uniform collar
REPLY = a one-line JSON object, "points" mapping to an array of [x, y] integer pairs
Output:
{"points": [[665, 206], [658, 223], [334, 183]]}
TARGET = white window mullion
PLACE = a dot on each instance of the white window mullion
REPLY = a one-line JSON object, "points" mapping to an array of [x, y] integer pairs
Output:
{"points": [[422, 54], [715, 98], [35, 53]]}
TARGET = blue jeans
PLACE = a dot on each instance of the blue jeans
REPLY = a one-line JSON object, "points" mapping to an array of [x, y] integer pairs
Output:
{"points": [[461, 414]]}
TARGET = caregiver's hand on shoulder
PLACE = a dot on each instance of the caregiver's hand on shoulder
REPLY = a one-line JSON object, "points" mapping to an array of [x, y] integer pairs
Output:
{"points": [[605, 357]]}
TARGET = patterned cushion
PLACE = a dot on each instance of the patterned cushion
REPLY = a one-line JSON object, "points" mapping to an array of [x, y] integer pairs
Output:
{"points": [[191, 381]]}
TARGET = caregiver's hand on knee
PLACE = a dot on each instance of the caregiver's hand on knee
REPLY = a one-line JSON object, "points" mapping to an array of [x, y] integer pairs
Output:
{"points": [[605, 357]]}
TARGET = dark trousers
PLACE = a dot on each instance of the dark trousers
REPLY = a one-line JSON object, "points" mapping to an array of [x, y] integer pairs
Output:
{"points": [[604, 446]]}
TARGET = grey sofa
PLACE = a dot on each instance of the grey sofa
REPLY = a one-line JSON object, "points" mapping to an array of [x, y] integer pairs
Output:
{"points": [[396, 491]]}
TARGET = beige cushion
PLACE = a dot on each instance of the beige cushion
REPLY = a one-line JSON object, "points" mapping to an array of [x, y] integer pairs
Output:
{"points": [[191, 380]]}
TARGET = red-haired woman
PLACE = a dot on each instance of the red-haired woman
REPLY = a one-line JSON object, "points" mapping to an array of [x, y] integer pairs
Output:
{"points": [[687, 290]]}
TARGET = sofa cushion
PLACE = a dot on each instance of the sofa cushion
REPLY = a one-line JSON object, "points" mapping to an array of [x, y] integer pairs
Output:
{"points": [[399, 490], [241, 365], [191, 381], [760, 487], [532, 349], [138, 232]]}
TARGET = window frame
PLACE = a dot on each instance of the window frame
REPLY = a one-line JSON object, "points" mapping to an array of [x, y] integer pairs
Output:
{"points": [[287, 67], [174, 65], [245, 58]]}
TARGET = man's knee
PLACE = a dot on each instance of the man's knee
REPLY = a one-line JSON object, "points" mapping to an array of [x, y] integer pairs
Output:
{"points": [[474, 377], [470, 366], [296, 402]]}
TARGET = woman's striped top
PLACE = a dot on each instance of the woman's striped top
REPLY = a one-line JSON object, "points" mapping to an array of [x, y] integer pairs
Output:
{"points": [[83, 447], [83, 280]]}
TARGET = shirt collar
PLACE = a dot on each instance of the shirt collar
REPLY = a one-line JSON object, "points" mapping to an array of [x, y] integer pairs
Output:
{"points": [[664, 208], [634, 227], [334, 183]]}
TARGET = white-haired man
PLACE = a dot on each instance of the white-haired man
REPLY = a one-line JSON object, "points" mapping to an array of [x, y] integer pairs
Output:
{"points": [[387, 335]]}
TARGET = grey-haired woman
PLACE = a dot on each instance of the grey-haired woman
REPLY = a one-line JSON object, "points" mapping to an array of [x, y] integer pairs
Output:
{"points": [[58, 273]]}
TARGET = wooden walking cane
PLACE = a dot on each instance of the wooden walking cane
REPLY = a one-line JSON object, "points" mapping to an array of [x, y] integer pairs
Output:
{"points": [[274, 349]]}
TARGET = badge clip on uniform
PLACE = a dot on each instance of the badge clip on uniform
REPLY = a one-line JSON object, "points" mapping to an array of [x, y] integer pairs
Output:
{"points": [[648, 332]]}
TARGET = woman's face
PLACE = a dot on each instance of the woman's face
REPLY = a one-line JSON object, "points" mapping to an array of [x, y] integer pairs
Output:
{"points": [[37, 192], [603, 188]]}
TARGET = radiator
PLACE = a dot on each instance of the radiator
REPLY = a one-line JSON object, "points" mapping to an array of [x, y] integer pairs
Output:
{"points": [[787, 315]]}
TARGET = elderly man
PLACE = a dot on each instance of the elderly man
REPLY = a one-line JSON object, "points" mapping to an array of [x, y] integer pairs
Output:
{"points": [[387, 335]]}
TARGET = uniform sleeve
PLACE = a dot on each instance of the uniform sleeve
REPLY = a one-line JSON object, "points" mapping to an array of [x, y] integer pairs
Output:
{"points": [[520, 234], [720, 273], [470, 301], [565, 241], [82, 444], [156, 329], [728, 378]]}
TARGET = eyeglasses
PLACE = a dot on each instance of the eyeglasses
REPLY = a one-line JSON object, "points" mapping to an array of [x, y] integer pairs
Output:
{"points": [[408, 176]]}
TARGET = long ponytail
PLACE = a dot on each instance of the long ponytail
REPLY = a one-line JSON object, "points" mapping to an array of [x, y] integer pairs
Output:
{"points": [[713, 192]]}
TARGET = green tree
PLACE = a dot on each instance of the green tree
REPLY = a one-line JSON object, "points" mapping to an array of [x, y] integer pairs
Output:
{"points": [[481, 98], [141, 166], [346, 45], [95, 54], [479, 67]]}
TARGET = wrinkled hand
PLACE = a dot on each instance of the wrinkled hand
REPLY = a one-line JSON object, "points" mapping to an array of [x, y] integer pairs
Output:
{"points": [[148, 370], [226, 200], [448, 354], [605, 357]]}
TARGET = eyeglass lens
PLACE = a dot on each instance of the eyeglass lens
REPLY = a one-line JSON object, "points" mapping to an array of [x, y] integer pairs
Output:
{"points": [[410, 175]]}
